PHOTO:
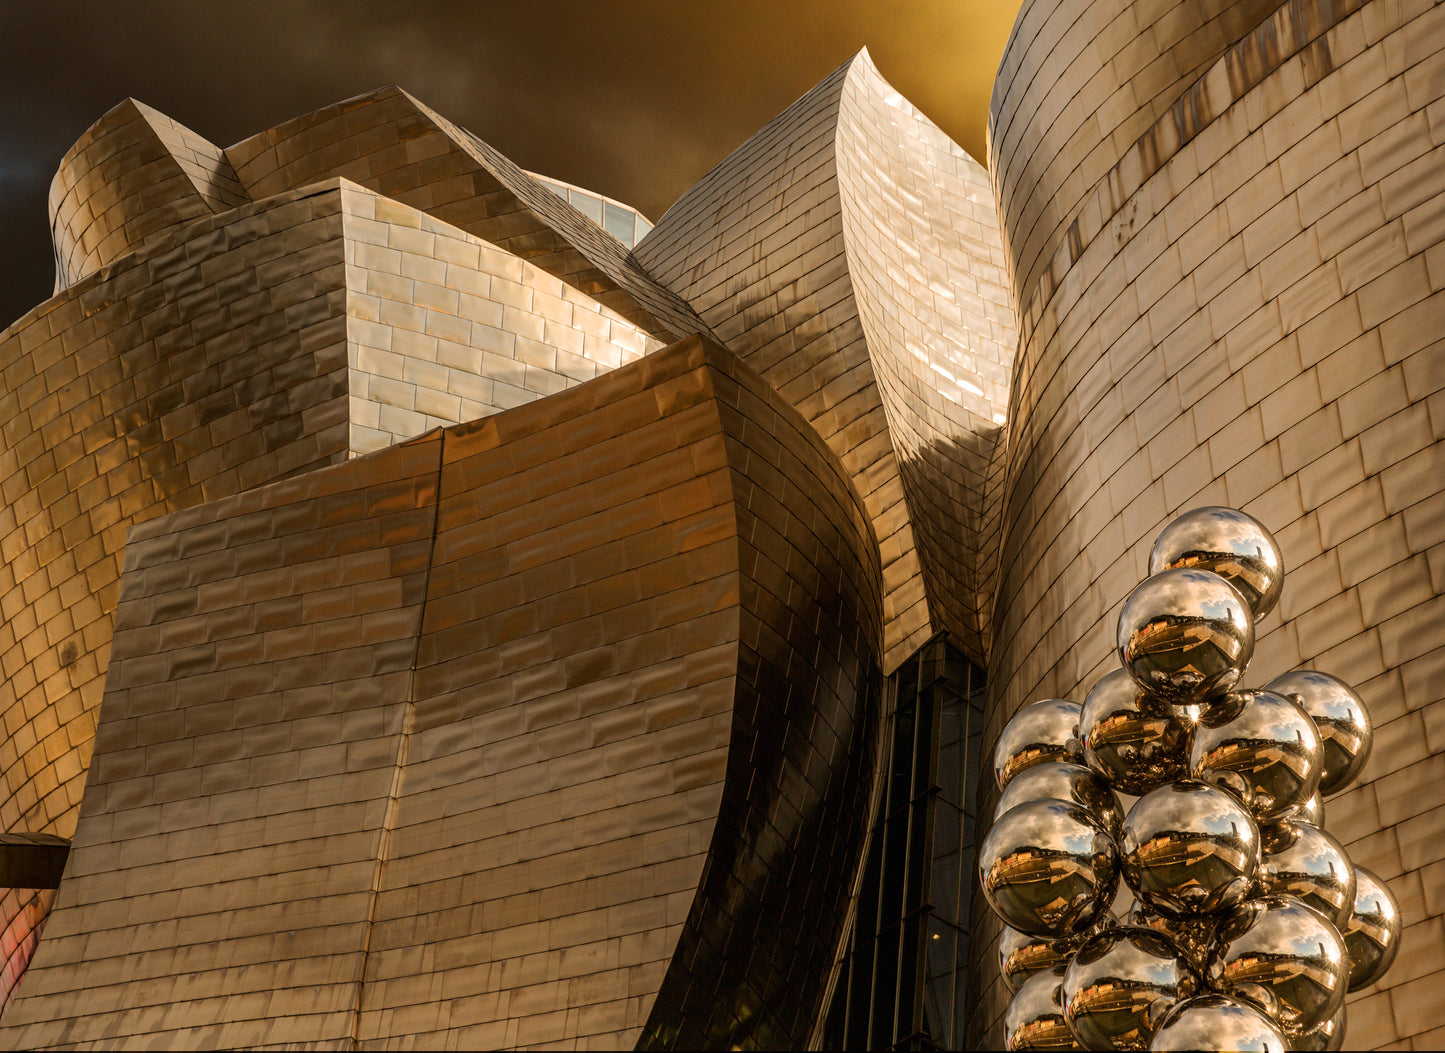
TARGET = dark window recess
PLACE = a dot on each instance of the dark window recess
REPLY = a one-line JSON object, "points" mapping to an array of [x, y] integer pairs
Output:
{"points": [[902, 981]]}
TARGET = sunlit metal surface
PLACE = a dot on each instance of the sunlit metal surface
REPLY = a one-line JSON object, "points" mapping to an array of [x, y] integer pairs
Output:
{"points": [[1062, 781], [1120, 985], [1189, 848], [1263, 748], [374, 707], [1306, 862], [1213, 1021], [1022, 955], [1047, 730], [1285, 958], [851, 254], [1035, 1018], [1232, 544], [1185, 635], [1049, 868], [1346, 730], [1372, 933], [1136, 741]]}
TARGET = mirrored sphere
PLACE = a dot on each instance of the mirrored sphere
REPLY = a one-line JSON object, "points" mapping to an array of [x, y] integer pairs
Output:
{"points": [[1372, 934], [1049, 868], [1262, 747], [1035, 1017], [1061, 781], [1021, 955], [1185, 635], [1304, 861], [1285, 958], [1328, 1036], [1135, 741], [1217, 1022], [1312, 811], [1193, 933], [1232, 544], [1044, 731], [1340, 715], [1189, 848], [1120, 984]]}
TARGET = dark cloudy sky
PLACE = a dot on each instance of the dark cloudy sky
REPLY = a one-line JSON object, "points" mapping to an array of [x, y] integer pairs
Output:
{"points": [[636, 99]]}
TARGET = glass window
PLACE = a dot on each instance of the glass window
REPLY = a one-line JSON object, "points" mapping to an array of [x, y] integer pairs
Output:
{"points": [[618, 223], [589, 206]]}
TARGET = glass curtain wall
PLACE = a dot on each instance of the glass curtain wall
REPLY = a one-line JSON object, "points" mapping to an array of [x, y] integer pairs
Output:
{"points": [[902, 982]]}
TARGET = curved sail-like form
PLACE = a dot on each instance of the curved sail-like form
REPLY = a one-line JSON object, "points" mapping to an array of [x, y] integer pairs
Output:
{"points": [[134, 174], [452, 807], [849, 253], [390, 142]]}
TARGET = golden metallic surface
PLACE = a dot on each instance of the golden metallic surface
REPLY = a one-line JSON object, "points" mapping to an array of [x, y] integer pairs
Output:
{"points": [[300, 330], [212, 361], [858, 267], [1079, 83], [443, 327], [1238, 309], [390, 142], [133, 175], [451, 743], [1223, 243]]}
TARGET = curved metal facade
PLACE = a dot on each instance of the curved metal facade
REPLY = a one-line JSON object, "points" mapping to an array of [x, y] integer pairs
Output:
{"points": [[475, 740], [1245, 311], [483, 671], [857, 267]]}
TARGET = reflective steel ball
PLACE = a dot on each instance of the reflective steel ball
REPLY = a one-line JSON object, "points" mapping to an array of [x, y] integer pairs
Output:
{"points": [[1043, 731], [1216, 1022], [1312, 811], [1021, 955], [1321, 1038], [1035, 1017], [1135, 741], [1189, 848], [1372, 933], [1186, 635], [1194, 933], [1304, 861], [1340, 715], [1061, 781], [1285, 958], [1120, 984], [1262, 747], [1049, 868], [1231, 544]]}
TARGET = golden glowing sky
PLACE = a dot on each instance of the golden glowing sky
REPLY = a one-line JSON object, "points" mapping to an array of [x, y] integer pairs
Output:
{"points": [[633, 98]]}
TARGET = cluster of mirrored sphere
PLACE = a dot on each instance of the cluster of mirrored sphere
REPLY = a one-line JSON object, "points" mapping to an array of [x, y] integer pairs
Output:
{"points": [[1248, 922]]}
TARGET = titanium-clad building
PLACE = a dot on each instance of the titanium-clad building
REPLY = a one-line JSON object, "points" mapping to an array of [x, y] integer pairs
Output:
{"points": [[443, 609]]}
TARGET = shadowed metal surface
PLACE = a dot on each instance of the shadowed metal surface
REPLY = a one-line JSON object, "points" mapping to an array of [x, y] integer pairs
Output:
{"points": [[441, 806], [849, 253]]}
